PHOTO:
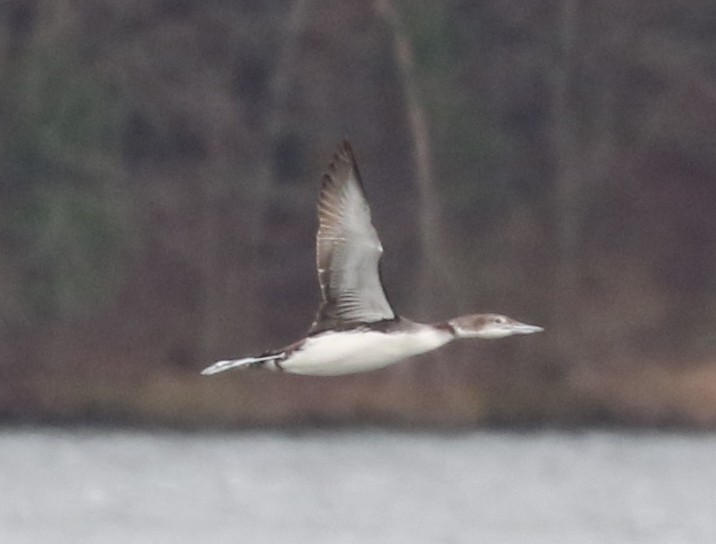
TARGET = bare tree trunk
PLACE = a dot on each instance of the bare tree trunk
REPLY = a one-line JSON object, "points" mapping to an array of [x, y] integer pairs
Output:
{"points": [[279, 88], [246, 275], [431, 282], [212, 275], [284, 71], [568, 186]]}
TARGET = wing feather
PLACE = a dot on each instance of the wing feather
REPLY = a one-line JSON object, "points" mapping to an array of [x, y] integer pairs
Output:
{"points": [[348, 250]]}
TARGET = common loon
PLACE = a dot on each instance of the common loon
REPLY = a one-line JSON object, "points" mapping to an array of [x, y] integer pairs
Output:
{"points": [[356, 328]]}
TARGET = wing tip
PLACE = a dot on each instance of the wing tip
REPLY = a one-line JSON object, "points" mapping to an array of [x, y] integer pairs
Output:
{"points": [[343, 154]]}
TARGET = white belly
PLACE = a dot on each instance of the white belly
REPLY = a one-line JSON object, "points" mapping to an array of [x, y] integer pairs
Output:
{"points": [[335, 353]]}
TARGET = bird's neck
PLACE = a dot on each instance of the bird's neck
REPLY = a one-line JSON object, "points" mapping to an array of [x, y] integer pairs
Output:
{"points": [[446, 327]]}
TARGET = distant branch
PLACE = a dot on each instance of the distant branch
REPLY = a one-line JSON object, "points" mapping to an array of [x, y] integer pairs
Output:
{"points": [[422, 150]]}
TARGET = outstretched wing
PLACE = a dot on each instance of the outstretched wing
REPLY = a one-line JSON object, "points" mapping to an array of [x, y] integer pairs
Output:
{"points": [[348, 250]]}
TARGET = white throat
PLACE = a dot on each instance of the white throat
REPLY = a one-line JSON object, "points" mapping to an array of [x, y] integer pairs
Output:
{"points": [[486, 333]]}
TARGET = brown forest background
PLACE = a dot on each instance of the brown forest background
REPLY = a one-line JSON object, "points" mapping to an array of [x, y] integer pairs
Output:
{"points": [[553, 160]]}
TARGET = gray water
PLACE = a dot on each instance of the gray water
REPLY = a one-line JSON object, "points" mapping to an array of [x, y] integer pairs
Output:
{"points": [[74, 487]]}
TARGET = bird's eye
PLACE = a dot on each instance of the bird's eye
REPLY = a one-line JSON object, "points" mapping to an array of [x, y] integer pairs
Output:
{"points": [[500, 320]]}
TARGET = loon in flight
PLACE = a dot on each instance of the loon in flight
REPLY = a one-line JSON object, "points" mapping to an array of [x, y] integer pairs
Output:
{"points": [[356, 328]]}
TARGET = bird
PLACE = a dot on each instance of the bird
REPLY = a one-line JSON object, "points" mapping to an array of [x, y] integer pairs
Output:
{"points": [[356, 329]]}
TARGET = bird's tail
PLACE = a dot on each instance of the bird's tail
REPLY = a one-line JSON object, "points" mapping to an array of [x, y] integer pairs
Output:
{"points": [[222, 366]]}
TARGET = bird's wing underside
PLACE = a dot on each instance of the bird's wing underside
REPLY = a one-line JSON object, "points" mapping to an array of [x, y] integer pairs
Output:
{"points": [[348, 250]]}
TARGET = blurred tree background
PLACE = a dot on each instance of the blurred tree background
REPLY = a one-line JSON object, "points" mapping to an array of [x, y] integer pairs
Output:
{"points": [[159, 167]]}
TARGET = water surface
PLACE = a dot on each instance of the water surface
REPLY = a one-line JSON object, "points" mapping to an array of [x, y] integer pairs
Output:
{"points": [[73, 487]]}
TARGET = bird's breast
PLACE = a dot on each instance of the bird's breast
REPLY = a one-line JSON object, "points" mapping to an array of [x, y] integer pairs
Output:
{"points": [[346, 352]]}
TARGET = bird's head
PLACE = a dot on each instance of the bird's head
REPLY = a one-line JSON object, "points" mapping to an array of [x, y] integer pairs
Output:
{"points": [[489, 326]]}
